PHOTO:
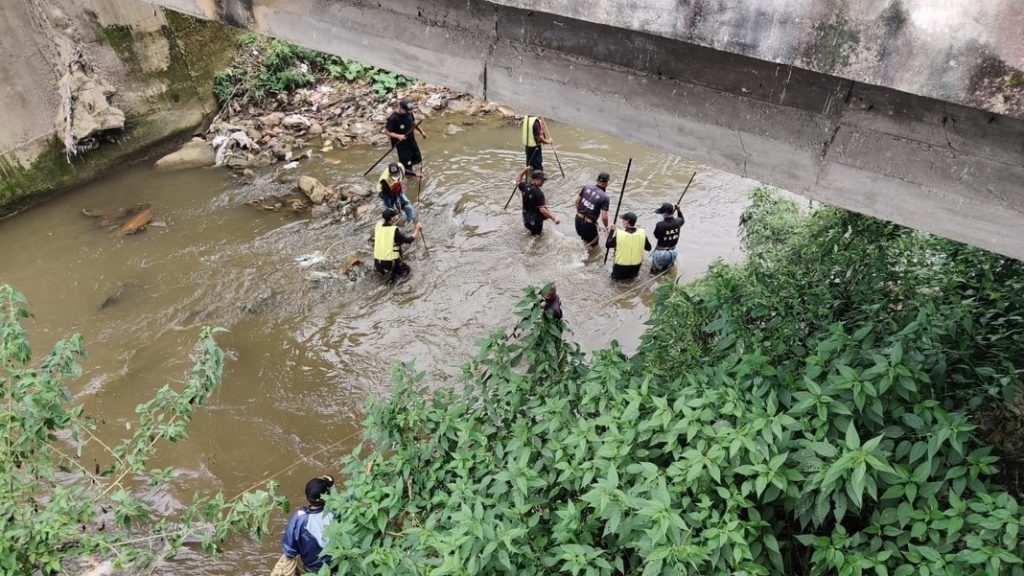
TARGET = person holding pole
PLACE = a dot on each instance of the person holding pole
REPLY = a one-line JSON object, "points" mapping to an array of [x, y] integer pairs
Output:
{"points": [[591, 206], [666, 233], [389, 188], [387, 246], [535, 135], [630, 244], [401, 127], [535, 209]]}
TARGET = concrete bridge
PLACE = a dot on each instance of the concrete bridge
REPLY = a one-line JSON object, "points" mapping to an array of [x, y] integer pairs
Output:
{"points": [[907, 110]]}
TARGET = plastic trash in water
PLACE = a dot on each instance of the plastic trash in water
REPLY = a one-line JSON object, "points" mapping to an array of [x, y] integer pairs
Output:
{"points": [[311, 259]]}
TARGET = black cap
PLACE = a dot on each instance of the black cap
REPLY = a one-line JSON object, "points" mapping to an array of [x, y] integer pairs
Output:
{"points": [[539, 175], [393, 169], [603, 177], [404, 105], [317, 487], [629, 217], [389, 213], [665, 208]]}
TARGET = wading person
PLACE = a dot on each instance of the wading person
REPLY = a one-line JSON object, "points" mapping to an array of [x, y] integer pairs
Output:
{"points": [[666, 236], [535, 210], [401, 128], [535, 135], [387, 246], [304, 537], [389, 188], [629, 244], [551, 304], [591, 206]]}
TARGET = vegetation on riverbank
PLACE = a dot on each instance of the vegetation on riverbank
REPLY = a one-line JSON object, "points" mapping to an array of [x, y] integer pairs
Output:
{"points": [[55, 510], [266, 68], [805, 412]]}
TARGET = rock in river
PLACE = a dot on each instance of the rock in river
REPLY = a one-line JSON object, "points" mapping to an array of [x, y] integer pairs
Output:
{"points": [[196, 153]]}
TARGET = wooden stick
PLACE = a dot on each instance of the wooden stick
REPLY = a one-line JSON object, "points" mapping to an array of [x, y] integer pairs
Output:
{"points": [[619, 205]]}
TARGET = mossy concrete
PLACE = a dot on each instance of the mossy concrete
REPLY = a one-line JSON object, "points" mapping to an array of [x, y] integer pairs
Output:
{"points": [[163, 69]]}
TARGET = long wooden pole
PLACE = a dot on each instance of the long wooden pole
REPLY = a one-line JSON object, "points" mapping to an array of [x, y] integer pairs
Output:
{"points": [[548, 132], [619, 205], [687, 187]]}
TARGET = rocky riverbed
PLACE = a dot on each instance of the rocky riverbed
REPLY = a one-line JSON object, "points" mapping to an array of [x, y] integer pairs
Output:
{"points": [[289, 129]]}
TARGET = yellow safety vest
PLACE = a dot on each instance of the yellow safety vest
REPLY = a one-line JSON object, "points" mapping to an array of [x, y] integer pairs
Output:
{"points": [[528, 139], [388, 179], [384, 243], [629, 247]]}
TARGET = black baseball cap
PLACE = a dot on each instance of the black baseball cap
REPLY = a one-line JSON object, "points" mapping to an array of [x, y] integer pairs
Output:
{"points": [[317, 487], [389, 213], [539, 175], [603, 177], [665, 208], [393, 169], [629, 217], [404, 105]]}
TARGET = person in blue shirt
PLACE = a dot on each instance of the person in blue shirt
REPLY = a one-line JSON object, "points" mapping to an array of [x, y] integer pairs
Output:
{"points": [[304, 536]]}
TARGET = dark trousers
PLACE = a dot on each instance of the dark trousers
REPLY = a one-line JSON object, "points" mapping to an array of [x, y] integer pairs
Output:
{"points": [[622, 272], [535, 157], [392, 270], [587, 229], [534, 222]]}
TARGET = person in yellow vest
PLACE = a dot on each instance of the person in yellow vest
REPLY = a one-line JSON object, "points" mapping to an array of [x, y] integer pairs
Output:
{"points": [[630, 244], [387, 246], [389, 188], [535, 134]]}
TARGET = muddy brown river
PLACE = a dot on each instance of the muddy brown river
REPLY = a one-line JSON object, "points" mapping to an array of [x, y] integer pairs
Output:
{"points": [[303, 354]]}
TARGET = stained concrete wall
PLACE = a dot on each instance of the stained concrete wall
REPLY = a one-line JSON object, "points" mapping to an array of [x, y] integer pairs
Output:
{"points": [[807, 95], [159, 64]]}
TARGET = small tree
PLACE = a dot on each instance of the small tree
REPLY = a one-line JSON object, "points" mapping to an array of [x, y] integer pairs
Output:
{"points": [[53, 509]]}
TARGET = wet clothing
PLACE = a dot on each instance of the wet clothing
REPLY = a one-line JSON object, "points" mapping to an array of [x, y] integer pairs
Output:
{"points": [[408, 150], [586, 230], [553, 308], [531, 142], [533, 200], [592, 201], [389, 188], [304, 537], [666, 233], [629, 252], [387, 251]]}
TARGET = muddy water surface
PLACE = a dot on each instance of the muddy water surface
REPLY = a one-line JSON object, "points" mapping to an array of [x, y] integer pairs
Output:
{"points": [[304, 354]]}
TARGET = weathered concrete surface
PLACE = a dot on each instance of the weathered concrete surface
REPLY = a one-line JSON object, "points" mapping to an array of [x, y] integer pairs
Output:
{"points": [[804, 97], [160, 82]]}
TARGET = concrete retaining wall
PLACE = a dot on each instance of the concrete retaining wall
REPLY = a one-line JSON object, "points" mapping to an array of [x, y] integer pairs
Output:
{"points": [[160, 65]]}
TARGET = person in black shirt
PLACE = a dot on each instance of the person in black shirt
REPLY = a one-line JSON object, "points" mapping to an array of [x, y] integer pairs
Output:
{"points": [[551, 304], [401, 128], [592, 204], [666, 233], [535, 210]]}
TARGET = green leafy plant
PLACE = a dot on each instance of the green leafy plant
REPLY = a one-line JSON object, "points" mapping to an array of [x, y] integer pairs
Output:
{"points": [[52, 508], [267, 67], [800, 413]]}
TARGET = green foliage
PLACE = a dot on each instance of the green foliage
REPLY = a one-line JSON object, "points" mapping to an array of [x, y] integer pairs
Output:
{"points": [[268, 67], [52, 509], [796, 414]]}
